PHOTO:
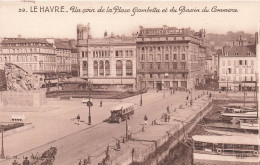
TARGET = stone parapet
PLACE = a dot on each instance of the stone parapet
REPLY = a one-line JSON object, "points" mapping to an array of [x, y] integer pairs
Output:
{"points": [[23, 99]]}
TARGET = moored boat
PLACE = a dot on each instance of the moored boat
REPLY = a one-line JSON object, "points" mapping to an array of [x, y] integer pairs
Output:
{"points": [[231, 150]]}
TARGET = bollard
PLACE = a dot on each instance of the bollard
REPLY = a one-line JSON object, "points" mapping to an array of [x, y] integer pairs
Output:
{"points": [[123, 141]]}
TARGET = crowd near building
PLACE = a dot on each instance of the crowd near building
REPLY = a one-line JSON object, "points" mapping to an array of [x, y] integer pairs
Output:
{"points": [[153, 58]]}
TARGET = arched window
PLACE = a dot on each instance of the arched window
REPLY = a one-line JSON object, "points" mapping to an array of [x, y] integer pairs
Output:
{"points": [[119, 68], [129, 68], [101, 68], [107, 68], [95, 68]]}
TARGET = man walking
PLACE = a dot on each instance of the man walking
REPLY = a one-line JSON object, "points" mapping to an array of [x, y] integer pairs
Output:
{"points": [[78, 118], [26, 161], [145, 120]]}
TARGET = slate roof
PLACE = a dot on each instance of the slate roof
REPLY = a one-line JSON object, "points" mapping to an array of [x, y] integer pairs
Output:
{"points": [[239, 51]]}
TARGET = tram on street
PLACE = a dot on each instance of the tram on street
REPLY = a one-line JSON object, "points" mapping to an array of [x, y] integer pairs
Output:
{"points": [[232, 150], [122, 112]]}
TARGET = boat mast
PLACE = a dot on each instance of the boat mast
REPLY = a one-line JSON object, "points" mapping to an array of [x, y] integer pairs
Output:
{"points": [[227, 88]]}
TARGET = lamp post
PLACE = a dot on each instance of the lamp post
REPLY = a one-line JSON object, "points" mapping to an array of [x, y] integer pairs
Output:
{"points": [[163, 90], [2, 150], [89, 103], [126, 130]]}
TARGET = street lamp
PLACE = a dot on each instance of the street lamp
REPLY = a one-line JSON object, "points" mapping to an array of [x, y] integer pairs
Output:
{"points": [[2, 151], [89, 103], [126, 128], [163, 90]]}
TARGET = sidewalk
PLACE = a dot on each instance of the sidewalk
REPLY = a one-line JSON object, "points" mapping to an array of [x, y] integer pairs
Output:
{"points": [[143, 143], [55, 124]]}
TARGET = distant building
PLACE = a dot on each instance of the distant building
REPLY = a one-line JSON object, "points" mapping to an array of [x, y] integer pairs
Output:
{"points": [[63, 56], [211, 67], [38, 55], [168, 57], [106, 62], [237, 68]]}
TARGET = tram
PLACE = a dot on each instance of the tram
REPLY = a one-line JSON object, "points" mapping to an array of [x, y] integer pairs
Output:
{"points": [[122, 112]]}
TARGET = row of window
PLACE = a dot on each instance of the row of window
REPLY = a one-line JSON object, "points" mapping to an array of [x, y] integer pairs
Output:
{"points": [[238, 78], [102, 68], [163, 38], [165, 65], [47, 67], [27, 58], [106, 54], [164, 75], [165, 48], [238, 71], [237, 62], [27, 50], [27, 44], [158, 57], [237, 54], [151, 84]]}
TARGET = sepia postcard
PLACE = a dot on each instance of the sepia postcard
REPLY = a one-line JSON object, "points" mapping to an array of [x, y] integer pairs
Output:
{"points": [[129, 82]]}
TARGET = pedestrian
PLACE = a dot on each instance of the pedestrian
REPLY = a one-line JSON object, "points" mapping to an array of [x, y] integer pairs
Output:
{"points": [[15, 162], [165, 117], [145, 119], [78, 118], [168, 109], [101, 103], [169, 117], [26, 161]]}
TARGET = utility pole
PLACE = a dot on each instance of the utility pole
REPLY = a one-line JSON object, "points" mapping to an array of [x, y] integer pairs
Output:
{"points": [[126, 130], [89, 103], [2, 150]]}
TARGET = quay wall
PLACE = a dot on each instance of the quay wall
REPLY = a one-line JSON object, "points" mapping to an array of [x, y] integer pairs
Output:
{"points": [[156, 150]]}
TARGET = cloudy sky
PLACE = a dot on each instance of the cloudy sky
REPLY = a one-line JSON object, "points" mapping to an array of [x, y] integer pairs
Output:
{"points": [[63, 25]]}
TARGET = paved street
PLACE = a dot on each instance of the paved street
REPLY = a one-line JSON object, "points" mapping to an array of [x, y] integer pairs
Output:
{"points": [[54, 127]]}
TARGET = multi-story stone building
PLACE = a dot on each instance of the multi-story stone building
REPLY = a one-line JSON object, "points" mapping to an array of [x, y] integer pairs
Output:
{"points": [[237, 67], [35, 54], [170, 57], [109, 61]]}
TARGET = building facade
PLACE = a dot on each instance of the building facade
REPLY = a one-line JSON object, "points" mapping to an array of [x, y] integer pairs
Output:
{"points": [[168, 57], [237, 68], [109, 61], [38, 55]]}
